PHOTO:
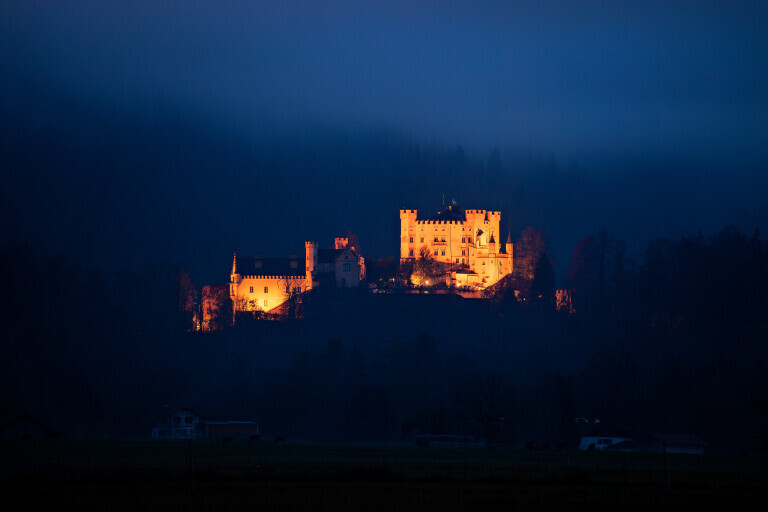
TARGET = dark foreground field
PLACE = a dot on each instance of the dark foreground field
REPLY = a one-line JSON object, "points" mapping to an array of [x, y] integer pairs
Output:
{"points": [[124, 475]]}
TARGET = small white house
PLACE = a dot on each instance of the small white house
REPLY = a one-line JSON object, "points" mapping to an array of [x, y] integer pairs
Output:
{"points": [[603, 437], [182, 424]]}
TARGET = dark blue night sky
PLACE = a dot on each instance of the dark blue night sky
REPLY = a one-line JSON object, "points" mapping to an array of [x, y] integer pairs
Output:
{"points": [[181, 131]]}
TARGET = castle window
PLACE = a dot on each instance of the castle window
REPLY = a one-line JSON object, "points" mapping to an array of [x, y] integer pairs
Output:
{"points": [[251, 289], [411, 254], [469, 239], [463, 252], [435, 239], [411, 240], [435, 252], [266, 290], [463, 239], [457, 260], [346, 267], [462, 261], [443, 252], [442, 239], [422, 239], [265, 302]]}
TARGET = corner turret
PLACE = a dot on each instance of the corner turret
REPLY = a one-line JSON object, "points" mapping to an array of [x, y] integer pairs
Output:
{"points": [[234, 278]]}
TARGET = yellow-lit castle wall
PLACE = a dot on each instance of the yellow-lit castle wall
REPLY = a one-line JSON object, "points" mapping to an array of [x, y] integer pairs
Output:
{"points": [[263, 293]]}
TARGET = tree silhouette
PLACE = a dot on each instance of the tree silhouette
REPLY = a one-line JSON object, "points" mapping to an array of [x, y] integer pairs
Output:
{"points": [[293, 299], [542, 289], [487, 400], [425, 269], [528, 251]]}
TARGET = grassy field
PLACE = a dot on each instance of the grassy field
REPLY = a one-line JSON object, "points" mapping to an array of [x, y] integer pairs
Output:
{"points": [[123, 475]]}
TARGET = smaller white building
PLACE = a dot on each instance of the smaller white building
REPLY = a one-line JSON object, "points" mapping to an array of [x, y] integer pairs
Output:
{"points": [[339, 266], [182, 424], [602, 437]]}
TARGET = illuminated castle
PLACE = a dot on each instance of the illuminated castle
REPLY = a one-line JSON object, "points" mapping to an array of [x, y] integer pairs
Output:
{"points": [[264, 284], [462, 242]]}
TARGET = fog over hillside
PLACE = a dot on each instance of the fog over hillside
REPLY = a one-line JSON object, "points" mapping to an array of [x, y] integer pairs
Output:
{"points": [[181, 133], [169, 185]]}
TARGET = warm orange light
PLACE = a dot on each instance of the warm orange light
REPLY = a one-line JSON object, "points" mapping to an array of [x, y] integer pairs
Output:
{"points": [[564, 301]]}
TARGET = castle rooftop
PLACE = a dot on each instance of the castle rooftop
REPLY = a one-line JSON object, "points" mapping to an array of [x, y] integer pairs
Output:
{"points": [[291, 267], [451, 213]]}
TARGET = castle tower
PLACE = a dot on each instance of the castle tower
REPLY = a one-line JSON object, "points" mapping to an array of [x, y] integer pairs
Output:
{"points": [[475, 220], [311, 262], [509, 243], [494, 219], [340, 242], [407, 230]]}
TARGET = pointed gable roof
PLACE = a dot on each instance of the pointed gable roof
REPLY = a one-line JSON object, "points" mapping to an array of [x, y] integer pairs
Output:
{"points": [[331, 256], [328, 256]]}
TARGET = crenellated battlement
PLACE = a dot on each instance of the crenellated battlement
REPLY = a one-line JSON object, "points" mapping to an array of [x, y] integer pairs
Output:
{"points": [[430, 222], [260, 276]]}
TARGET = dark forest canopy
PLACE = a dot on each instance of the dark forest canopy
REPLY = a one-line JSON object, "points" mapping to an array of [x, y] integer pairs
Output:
{"points": [[671, 341]]}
